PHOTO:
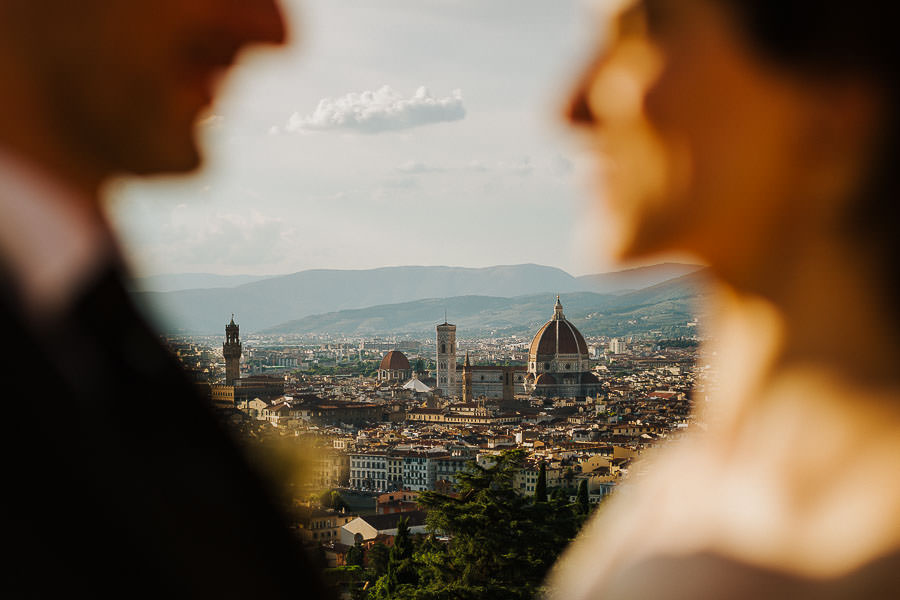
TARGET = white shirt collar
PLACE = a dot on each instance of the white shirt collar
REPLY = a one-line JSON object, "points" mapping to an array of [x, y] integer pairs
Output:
{"points": [[51, 244]]}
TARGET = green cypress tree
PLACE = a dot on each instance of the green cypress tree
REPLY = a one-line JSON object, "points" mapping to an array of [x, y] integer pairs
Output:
{"points": [[356, 555], [401, 575], [401, 565], [403, 546], [540, 488], [582, 500], [379, 556], [386, 586], [481, 559], [487, 542]]}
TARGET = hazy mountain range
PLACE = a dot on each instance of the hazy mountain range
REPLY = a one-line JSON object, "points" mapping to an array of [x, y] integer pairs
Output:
{"points": [[667, 306], [174, 282], [412, 299]]}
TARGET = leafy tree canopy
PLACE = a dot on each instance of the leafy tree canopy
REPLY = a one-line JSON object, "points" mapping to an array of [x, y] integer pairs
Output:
{"points": [[489, 542]]}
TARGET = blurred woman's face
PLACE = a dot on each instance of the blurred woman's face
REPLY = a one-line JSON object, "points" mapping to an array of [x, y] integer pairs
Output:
{"points": [[702, 144]]}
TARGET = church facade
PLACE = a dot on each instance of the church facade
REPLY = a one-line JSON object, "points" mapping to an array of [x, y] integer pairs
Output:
{"points": [[477, 381]]}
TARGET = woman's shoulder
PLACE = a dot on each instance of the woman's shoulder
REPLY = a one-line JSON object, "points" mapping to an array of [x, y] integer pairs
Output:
{"points": [[713, 576], [803, 483]]}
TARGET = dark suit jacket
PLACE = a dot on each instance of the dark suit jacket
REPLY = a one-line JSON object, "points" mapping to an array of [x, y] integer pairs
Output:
{"points": [[119, 479]]}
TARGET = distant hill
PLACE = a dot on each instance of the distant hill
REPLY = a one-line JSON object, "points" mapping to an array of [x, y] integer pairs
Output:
{"points": [[262, 304], [637, 278], [192, 281], [266, 303], [662, 306], [667, 306]]}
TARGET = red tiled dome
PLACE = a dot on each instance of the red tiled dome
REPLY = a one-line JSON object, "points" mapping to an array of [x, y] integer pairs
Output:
{"points": [[557, 336], [545, 379], [394, 361]]}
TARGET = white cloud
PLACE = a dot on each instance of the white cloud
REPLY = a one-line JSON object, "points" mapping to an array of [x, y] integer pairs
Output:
{"points": [[400, 183], [415, 166], [560, 165], [224, 238], [520, 166], [385, 109]]}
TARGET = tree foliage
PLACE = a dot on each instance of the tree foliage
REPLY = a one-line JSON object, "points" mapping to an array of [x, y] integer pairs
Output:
{"points": [[401, 576], [356, 555], [329, 499], [403, 545], [540, 488], [582, 500], [489, 542], [379, 557]]}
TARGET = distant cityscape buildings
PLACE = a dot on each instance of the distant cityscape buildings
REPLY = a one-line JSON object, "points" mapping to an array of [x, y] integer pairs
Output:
{"points": [[392, 417], [616, 346]]}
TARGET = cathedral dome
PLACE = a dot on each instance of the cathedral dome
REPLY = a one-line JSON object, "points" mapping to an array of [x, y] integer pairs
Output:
{"points": [[557, 336], [545, 379], [394, 361]]}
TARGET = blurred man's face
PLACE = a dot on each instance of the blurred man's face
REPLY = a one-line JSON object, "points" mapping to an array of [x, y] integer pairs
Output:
{"points": [[122, 81]]}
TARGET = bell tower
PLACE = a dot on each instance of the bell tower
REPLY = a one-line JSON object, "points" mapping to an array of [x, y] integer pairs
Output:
{"points": [[446, 359], [231, 350]]}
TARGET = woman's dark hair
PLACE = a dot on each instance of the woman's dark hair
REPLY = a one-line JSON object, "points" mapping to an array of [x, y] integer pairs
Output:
{"points": [[840, 39], [823, 35]]}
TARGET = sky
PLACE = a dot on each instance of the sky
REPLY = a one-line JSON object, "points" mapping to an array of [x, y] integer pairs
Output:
{"points": [[389, 132]]}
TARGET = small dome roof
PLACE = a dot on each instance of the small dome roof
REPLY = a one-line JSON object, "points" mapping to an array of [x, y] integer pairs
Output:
{"points": [[394, 361], [557, 336], [545, 379]]}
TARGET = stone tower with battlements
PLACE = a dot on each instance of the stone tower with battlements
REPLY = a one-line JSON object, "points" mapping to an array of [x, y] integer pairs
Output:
{"points": [[231, 350]]}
